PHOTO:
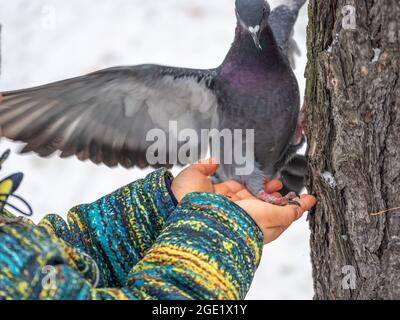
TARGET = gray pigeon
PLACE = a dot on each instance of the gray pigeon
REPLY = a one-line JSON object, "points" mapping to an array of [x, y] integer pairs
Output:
{"points": [[105, 116]]}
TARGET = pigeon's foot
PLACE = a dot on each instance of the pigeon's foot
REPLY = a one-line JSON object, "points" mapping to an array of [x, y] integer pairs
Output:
{"points": [[278, 201]]}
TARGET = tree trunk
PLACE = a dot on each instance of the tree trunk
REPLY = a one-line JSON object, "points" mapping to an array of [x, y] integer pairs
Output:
{"points": [[0, 48], [353, 129]]}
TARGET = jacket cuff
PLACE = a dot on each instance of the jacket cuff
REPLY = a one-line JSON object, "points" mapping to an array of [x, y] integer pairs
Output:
{"points": [[157, 187]]}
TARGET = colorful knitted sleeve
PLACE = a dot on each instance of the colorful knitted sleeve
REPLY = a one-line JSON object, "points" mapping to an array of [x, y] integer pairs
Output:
{"points": [[118, 229], [133, 244], [209, 249]]}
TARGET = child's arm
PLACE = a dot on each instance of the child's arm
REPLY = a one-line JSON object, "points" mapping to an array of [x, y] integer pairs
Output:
{"points": [[209, 249], [118, 229]]}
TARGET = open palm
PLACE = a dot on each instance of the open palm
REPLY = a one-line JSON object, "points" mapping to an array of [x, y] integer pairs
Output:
{"points": [[272, 220]]}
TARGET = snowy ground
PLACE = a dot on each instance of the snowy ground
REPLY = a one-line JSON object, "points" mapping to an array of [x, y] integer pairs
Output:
{"points": [[44, 41]]}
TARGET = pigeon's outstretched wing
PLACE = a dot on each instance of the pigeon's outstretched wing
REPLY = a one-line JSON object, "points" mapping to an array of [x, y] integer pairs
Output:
{"points": [[282, 21], [106, 115]]}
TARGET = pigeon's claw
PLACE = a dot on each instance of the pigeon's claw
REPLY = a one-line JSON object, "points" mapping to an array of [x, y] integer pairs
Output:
{"points": [[294, 203], [278, 201]]}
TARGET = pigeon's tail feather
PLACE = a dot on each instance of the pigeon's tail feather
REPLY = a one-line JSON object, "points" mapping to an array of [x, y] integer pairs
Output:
{"points": [[294, 4], [293, 175], [282, 21]]}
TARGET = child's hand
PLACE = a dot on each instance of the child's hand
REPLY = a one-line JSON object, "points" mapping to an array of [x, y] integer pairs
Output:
{"points": [[194, 179], [272, 220]]}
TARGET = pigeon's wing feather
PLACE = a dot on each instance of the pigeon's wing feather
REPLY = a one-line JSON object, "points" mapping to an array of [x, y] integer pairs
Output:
{"points": [[282, 21], [105, 116], [293, 175]]}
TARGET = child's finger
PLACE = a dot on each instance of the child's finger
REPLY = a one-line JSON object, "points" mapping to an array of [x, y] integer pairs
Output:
{"points": [[245, 194], [273, 186], [233, 186], [306, 203], [221, 189], [294, 212], [207, 167], [273, 216], [267, 215], [232, 196]]}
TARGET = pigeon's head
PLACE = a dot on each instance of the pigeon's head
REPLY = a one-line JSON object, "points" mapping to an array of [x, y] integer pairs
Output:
{"points": [[253, 17]]}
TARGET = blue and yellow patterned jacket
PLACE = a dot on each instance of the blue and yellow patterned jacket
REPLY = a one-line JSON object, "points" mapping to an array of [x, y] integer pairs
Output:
{"points": [[135, 243]]}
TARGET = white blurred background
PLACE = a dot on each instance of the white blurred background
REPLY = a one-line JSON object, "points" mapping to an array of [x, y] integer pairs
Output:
{"points": [[45, 41]]}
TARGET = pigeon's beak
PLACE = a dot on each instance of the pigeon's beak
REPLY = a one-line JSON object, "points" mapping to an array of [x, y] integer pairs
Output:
{"points": [[254, 31], [256, 40]]}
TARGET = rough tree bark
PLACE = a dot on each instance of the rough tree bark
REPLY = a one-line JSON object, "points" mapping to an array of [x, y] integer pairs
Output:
{"points": [[0, 49], [353, 130]]}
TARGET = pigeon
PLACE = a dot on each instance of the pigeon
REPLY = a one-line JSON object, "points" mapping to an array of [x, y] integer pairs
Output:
{"points": [[104, 116]]}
